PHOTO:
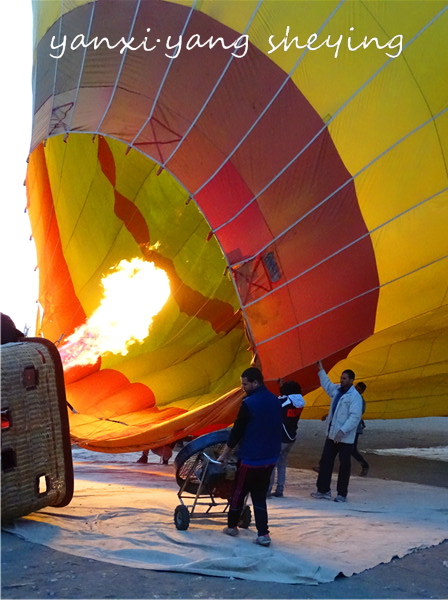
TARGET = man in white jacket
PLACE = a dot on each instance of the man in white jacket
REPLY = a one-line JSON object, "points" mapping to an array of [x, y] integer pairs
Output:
{"points": [[345, 414]]}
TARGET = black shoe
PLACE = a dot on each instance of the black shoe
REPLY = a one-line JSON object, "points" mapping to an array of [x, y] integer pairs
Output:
{"points": [[278, 494], [143, 459], [364, 471]]}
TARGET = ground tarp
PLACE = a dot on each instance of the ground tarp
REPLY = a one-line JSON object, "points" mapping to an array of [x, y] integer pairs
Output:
{"points": [[123, 514]]}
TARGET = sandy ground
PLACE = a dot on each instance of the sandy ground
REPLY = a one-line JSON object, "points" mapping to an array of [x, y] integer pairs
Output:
{"points": [[31, 571], [400, 434]]}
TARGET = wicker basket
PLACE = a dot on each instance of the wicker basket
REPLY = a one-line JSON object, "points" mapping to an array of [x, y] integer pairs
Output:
{"points": [[37, 467]]}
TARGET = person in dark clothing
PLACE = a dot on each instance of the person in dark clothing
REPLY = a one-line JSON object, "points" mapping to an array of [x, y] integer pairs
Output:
{"points": [[361, 387], [257, 431], [9, 332], [292, 403], [165, 453]]}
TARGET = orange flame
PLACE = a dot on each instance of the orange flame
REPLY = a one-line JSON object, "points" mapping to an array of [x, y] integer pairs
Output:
{"points": [[134, 293]]}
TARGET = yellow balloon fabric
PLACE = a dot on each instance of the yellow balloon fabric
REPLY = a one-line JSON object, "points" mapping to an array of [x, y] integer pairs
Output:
{"points": [[283, 163]]}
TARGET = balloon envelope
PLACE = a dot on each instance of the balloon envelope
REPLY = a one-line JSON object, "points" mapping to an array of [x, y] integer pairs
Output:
{"points": [[284, 163]]}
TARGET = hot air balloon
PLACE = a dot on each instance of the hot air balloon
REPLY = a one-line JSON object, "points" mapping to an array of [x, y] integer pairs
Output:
{"points": [[281, 165]]}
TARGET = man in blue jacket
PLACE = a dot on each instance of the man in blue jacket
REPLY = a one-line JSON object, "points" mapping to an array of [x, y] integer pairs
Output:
{"points": [[345, 414], [257, 430]]}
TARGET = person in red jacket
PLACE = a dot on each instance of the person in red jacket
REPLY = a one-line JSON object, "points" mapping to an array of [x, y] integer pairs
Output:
{"points": [[292, 403]]}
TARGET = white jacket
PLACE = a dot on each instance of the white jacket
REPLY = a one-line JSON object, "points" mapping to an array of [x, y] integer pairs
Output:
{"points": [[348, 411]]}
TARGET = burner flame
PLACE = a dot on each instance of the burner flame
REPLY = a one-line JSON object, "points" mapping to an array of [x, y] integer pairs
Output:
{"points": [[134, 292]]}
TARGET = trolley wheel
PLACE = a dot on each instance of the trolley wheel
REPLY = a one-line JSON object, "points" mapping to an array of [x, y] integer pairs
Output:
{"points": [[181, 517], [245, 518]]}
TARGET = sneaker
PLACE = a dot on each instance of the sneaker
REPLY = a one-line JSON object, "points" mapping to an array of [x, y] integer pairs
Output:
{"points": [[233, 531], [143, 459], [364, 471], [278, 494], [340, 498], [321, 495], [263, 540]]}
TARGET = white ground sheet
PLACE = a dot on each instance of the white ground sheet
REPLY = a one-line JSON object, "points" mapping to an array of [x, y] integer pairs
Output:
{"points": [[434, 453], [123, 514]]}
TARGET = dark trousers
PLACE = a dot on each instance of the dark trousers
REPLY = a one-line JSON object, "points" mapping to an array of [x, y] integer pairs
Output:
{"points": [[254, 481], [326, 464], [357, 456]]}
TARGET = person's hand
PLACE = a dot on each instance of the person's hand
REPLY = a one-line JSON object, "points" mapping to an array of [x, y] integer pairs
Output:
{"points": [[319, 365], [224, 456], [338, 437]]}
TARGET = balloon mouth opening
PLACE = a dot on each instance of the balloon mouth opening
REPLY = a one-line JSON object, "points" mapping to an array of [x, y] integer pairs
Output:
{"points": [[154, 335]]}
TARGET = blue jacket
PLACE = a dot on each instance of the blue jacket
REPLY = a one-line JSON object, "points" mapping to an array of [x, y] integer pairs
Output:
{"points": [[258, 427]]}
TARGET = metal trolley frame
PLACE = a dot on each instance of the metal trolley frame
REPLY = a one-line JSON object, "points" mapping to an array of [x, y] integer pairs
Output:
{"points": [[213, 480]]}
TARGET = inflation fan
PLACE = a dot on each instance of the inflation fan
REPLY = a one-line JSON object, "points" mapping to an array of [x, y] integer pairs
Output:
{"points": [[202, 480]]}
